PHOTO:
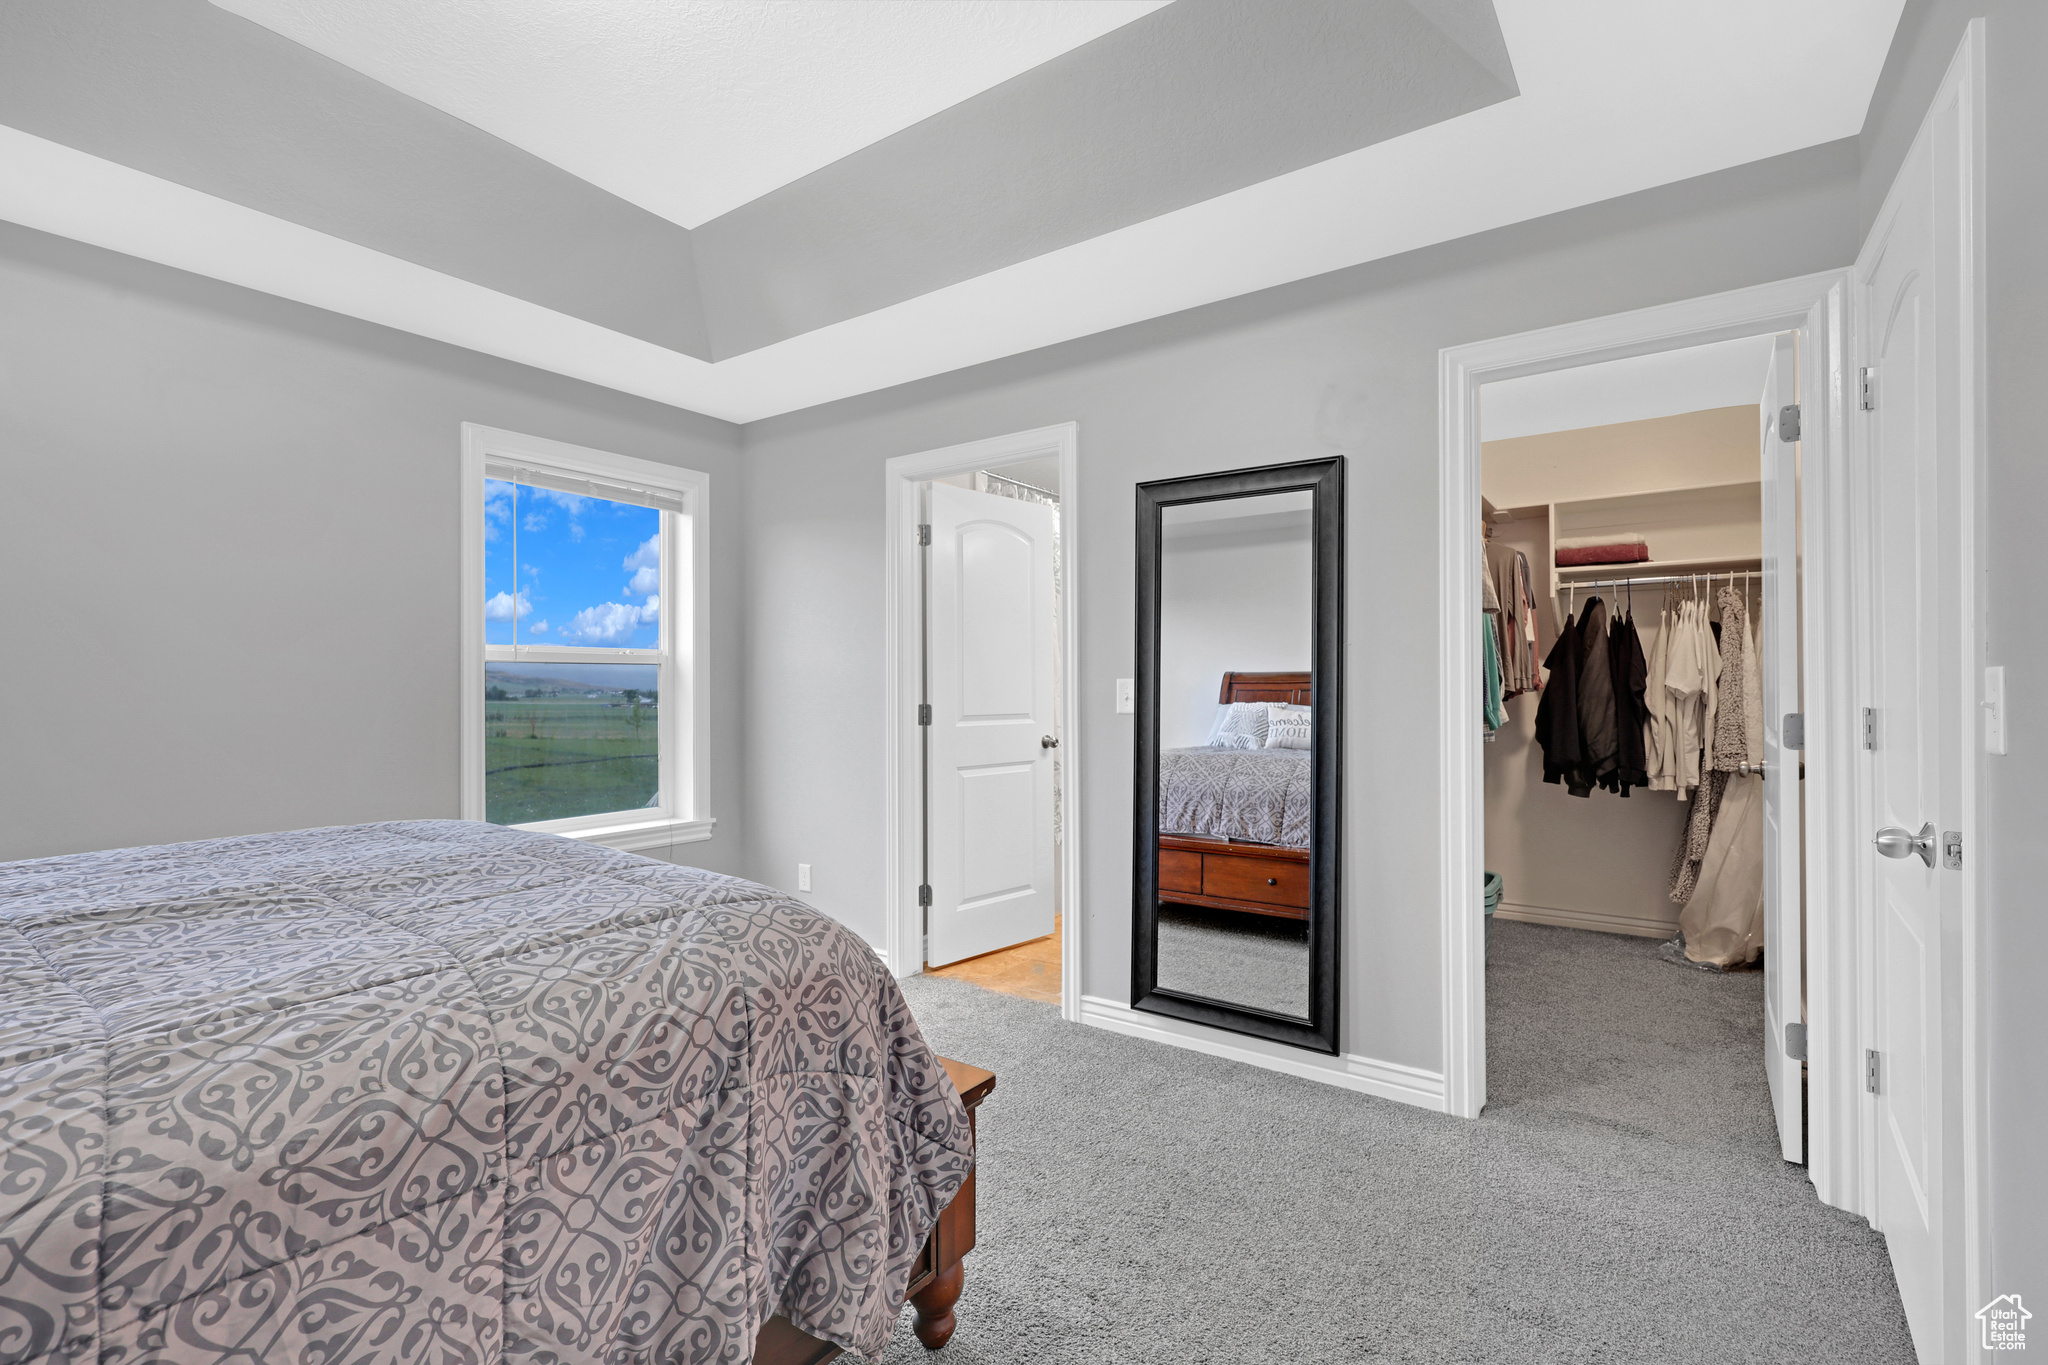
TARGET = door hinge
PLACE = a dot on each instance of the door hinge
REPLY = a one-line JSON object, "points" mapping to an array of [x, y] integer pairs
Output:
{"points": [[1870, 727], [1795, 1042], [1788, 423], [924, 533], [924, 894], [924, 713], [1870, 1069], [1952, 849], [1794, 731], [1866, 388]]}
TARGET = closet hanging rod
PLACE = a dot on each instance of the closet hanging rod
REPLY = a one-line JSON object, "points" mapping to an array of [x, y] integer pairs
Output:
{"points": [[1653, 579]]}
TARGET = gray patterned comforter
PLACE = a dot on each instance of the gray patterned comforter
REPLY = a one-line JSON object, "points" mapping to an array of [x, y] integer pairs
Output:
{"points": [[1257, 794], [447, 1092]]}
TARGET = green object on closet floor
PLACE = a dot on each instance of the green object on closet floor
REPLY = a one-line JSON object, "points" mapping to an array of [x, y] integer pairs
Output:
{"points": [[1494, 887]]}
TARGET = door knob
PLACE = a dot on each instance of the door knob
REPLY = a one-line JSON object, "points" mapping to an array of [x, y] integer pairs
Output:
{"points": [[1048, 742], [1894, 842]]}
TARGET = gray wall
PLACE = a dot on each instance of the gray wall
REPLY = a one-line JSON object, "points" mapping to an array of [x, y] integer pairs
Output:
{"points": [[1229, 602], [2012, 843], [228, 555], [1271, 376]]}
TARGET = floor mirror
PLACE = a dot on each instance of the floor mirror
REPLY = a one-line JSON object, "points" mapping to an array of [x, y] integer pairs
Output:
{"points": [[1239, 704]]}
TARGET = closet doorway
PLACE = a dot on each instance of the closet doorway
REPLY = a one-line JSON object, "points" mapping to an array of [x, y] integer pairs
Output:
{"points": [[1622, 487], [980, 704], [1641, 583]]}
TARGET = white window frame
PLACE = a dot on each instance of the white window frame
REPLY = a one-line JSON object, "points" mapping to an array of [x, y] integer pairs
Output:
{"points": [[683, 713]]}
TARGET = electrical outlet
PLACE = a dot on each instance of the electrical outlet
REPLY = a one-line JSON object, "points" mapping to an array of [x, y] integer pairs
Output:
{"points": [[1126, 689], [803, 876]]}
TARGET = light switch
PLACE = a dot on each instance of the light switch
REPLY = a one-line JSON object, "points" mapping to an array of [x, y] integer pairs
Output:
{"points": [[1994, 709], [1124, 691], [803, 876]]}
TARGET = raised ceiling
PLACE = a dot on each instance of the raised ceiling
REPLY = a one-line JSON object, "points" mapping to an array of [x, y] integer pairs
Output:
{"points": [[691, 109], [379, 161]]}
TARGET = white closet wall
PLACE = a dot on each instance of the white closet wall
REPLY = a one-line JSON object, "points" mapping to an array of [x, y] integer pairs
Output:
{"points": [[1604, 862]]}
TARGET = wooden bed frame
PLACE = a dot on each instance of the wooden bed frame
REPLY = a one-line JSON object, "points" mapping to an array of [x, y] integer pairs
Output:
{"points": [[935, 1280], [1237, 874]]}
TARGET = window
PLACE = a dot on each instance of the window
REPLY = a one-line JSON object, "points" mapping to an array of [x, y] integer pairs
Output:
{"points": [[583, 636]]}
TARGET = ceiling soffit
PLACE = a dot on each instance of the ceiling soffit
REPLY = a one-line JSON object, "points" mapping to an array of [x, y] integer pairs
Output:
{"points": [[194, 95], [1189, 102], [690, 108]]}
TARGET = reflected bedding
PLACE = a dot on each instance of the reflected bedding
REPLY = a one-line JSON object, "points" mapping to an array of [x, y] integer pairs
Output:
{"points": [[448, 1091], [1257, 794]]}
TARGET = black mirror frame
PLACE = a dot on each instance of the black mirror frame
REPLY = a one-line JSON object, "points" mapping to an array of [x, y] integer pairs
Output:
{"points": [[1325, 479]]}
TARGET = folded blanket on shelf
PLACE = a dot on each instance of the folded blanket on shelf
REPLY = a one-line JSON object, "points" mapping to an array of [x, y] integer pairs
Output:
{"points": [[1615, 547]]}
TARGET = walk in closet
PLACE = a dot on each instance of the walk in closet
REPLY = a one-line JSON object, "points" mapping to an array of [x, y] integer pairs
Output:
{"points": [[1677, 501]]}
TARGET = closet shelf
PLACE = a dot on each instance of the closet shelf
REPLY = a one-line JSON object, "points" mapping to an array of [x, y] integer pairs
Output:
{"points": [[1581, 573]]}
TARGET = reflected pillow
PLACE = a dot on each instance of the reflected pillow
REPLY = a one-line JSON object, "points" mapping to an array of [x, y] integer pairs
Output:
{"points": [[1287, 727], [1242, 726]]}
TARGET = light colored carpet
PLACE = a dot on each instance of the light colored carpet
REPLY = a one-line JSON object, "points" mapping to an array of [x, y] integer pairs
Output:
{"points": [[1620, 1200], [1255, 960]]}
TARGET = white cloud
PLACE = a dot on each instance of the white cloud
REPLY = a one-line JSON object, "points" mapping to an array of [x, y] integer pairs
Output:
{"points": [[646, 565], [611, 623], [568, 502], [506, 607], [539, 627]]}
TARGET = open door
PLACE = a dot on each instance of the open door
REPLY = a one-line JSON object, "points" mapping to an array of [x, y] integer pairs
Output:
{"points": [[991, 679], [1910, 307], [1784, 927]]}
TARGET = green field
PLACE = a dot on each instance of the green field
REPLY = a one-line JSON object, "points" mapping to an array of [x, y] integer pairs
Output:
{"points": [[550, 758]]}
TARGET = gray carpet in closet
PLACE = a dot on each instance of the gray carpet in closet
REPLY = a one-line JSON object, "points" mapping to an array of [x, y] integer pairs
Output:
{"points": [[1621, 1199], [1259, 961]]}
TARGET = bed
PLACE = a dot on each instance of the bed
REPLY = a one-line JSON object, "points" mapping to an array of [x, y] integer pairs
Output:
{"points": [[447, 1091], [1234, 823]]}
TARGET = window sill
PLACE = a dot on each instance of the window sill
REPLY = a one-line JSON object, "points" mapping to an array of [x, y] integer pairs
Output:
{"points": [[635, 836]]}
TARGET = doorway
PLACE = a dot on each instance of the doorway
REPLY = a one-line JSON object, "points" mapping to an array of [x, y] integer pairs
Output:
{"points": [[1808, 313], [983, 737], [1641, 749]]}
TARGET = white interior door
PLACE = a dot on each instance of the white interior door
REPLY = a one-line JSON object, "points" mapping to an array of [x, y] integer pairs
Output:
{"points": [[992, 679], [1909, 448], [1784, 930]]}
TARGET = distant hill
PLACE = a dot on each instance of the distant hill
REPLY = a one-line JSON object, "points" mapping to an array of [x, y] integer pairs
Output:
{"points": [[522, 682]]}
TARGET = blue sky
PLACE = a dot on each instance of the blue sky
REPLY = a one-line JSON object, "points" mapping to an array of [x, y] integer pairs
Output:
{"points": [[588, 573]]}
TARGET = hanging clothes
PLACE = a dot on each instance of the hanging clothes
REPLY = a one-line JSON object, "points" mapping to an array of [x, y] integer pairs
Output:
{"points": [[1630, 673], [1599, 734], [1492, 713], [1515, 626], [1692, 680], [1723, 920], [1738, 733], [1734, 738], [1557, 714], [1660, 744]]}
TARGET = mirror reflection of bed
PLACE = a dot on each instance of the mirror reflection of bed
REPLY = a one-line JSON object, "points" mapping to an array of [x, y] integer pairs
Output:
{"points": [[1234, 792]]}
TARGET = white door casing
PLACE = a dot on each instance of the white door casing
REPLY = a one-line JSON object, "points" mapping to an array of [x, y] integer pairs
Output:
{"points": [[1784, 946], [992, 675]]}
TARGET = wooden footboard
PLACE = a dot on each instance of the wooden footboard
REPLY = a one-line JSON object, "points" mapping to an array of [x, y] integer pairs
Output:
{"points": [[935, 1280]]}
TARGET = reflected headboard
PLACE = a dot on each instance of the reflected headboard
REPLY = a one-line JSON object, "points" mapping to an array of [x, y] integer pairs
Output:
{"points": [[1287, 687]]}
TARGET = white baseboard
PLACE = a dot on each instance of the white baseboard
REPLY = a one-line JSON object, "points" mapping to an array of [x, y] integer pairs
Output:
{"points": [[1367, 1075], [1597, 920]]}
